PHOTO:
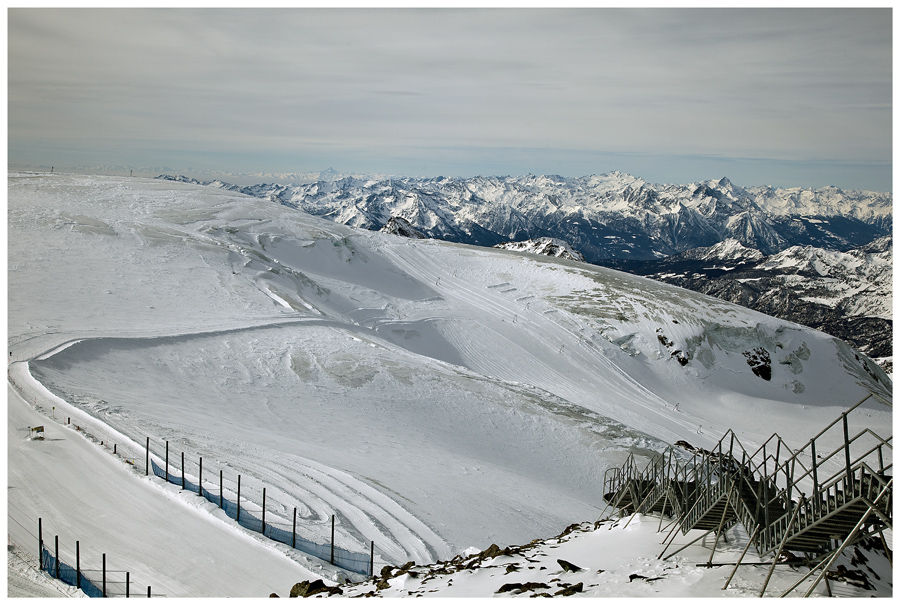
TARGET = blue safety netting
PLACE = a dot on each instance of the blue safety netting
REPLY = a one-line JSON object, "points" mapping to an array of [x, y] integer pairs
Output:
{"points": [[345, 559], [68, 574]]}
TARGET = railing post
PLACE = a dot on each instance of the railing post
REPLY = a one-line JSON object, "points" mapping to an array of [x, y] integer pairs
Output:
{"points": [[147, 463], [56, 563], [77, 565], [167, 461], [789, 479], [784, 540], [200, 481], [220, 488], [264, 512], [372, 559], [182, 470], [817, 506], [104, 575], [40, 546], [332, 539], [127, 584], [238, 516], [294, 530], [847, 454]]}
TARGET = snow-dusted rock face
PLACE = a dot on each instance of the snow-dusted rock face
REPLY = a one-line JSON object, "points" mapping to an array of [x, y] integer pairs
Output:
{"points": [[606, 216], [548, 246], [730, 251], [400, 226]]}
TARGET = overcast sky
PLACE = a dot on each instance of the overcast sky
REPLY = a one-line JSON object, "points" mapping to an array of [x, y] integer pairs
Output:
{"points": [[764, 96]]}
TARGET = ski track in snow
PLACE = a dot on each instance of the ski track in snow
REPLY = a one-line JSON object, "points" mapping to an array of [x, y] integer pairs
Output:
{"points": [[369, 514]]}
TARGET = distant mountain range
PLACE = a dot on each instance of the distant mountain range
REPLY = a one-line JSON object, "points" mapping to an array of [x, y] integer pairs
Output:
{"points": [[820, 257], [608, 216]]}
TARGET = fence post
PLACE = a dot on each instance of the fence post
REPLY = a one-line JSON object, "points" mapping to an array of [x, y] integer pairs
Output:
{"points": [[77, 565], [148, 592], [40, 546], [332, 539], [182, 470], [220, 488], [294, 530], [167, 461], [114, 447], [264, 512], [56, 564], [238, 516], [127, 584], [148, 457], [200, 482], [104, 575], [372, 560]]}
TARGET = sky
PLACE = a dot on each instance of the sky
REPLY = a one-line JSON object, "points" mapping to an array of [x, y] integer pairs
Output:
{"points": [[782, 97]]}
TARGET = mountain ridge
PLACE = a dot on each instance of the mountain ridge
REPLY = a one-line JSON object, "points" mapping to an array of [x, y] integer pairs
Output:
{"points": [[608, 216]]}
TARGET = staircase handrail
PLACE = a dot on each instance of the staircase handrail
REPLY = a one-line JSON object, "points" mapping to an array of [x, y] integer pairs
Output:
{"points": [[843, 471], [839, 478]]}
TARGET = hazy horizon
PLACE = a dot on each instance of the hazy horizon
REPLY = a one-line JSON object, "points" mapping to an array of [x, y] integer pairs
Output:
{"points": [[779, 97]]}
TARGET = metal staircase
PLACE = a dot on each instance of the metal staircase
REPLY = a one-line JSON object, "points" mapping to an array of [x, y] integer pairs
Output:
{"points": [[787, 500]]}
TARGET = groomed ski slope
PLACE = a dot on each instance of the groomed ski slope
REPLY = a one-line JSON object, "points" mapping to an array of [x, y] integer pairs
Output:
{"points": [[432, 396]]}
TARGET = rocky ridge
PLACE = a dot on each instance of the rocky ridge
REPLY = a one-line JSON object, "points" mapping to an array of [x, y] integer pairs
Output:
{"points": [[548, 246], [845, 294]]}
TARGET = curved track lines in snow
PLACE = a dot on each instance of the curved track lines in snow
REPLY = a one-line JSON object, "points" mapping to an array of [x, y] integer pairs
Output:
{"points": [[366, 514]]}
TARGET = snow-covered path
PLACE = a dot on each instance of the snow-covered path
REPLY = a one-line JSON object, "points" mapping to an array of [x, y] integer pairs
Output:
{"points": [[165, 539]]}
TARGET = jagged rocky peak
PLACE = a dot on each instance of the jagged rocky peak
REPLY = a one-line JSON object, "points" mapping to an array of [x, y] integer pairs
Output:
{"points": [[879, 245], [397, 225], [548, 246]]}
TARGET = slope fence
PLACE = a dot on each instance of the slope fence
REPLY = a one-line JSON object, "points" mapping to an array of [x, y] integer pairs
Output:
{"points": [[813, 500], [139, 458], [279, 529], [96, 583]]}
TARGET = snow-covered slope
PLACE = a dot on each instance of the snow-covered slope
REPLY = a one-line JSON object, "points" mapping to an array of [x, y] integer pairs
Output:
{"points": [[846, 294], [433, 396], [606, 216]]}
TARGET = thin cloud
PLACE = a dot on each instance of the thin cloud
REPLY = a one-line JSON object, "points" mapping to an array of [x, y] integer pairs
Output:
{"points": [[803, 85]]}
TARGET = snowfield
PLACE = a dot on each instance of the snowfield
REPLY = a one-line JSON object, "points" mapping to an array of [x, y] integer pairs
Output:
{"points": [[434, 397]]}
